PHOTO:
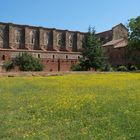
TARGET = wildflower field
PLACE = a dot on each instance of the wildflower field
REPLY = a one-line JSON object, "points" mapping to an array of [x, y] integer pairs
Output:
{"points": [[71, 107]]}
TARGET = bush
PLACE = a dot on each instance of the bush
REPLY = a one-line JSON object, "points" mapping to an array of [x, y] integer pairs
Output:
{"points": [[76, 67], [133, 68], [107, 68], [81, 65], [8, 65], [27, 62], [122, 68]]}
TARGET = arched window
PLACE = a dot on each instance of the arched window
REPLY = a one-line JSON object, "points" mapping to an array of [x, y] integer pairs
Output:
{"points": [[70, 40], [32, 37], [17, 36], [59, 39], [81, 41], [46, 38]]}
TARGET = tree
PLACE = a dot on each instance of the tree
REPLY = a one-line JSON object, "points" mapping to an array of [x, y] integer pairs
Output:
{"points": [[27, 62], [133, 47], [8, 65], [93, 54]]}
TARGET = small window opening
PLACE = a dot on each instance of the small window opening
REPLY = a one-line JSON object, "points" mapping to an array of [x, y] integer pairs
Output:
{"points": [[38, 55], [3, 57]]}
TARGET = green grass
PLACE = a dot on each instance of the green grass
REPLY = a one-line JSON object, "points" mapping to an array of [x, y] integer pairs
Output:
{"points": [[71, 107]]}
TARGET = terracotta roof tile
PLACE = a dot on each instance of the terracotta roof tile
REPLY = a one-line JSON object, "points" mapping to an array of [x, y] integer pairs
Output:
{"points": [[116, 43]]}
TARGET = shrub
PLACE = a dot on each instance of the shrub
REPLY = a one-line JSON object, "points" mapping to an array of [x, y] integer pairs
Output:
{"points": [[122, 68], [107, 68], [77, 67], [8, 65], [133, 68], [27, 62]]}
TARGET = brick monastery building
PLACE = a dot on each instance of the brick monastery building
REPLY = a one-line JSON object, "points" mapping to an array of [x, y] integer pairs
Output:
{"points": [[58, 49]]}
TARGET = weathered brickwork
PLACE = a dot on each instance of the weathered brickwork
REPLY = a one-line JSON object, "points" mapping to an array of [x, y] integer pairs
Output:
{"points": [[58, 49]]}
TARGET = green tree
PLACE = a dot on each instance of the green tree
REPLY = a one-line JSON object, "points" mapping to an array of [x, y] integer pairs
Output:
{"points": [[93, 54], [27, 62], [8, 65], [133, 47]]}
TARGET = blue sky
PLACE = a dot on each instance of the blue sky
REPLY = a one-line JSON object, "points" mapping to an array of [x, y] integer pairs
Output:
{"points": [[69, 14]]}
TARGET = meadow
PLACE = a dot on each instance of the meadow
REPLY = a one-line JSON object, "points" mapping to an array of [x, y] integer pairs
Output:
{"points": [[70, 107]]}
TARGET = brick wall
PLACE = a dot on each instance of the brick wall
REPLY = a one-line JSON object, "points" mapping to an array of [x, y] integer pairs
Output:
{"points": [[52, 61]]}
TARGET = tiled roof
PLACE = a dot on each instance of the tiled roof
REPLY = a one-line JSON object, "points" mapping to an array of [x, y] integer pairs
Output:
{"points": [[116, 43]]}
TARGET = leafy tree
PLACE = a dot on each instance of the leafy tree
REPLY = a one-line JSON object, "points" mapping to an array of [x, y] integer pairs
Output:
{"points": [[134, 40], [27, 62], [93, 54], [8, 65]]}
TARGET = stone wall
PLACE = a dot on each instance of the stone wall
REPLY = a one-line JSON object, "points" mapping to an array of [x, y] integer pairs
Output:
{"points": [[58, 49], [120, 31], [105, 37], [38, 38]]}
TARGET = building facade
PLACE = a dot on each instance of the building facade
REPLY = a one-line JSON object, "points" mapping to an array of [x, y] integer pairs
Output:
{"points": [[58, 49]]}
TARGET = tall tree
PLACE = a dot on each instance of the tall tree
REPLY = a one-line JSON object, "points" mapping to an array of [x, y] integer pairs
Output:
{"points": [[134, 40], [93, 55]]}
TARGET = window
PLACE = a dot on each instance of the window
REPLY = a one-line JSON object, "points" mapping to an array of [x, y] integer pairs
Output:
{"points": [[17, 36], [59, 39], [78, 57], [3, 57], [32, 37], [66, 57], [81, 41], [70, 40], [46, 38], [38, 55], [53, 56]]}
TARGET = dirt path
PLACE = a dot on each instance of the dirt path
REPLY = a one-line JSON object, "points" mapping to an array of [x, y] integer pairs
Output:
{"points": [[24, 74]]}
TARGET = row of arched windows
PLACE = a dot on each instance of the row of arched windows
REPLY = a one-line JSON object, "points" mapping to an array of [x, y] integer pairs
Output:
{"points": [[60, 40], [46, 38]]}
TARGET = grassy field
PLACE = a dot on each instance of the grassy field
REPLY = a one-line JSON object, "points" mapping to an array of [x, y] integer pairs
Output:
{"points": [[71, 107]]}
